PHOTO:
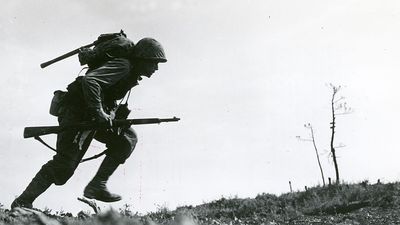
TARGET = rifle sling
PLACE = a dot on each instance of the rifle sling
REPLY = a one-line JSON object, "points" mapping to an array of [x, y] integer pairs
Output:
{"points": [[44, 143], [94, 157], [38, 138]]}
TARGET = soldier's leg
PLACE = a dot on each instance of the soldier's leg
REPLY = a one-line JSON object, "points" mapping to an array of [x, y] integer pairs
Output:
{"points": [[57, 171], [120, 148], [39, 184]]}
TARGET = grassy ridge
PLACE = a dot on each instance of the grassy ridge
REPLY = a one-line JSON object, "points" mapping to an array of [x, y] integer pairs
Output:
{"points": [[315, 204], [361, 203]]}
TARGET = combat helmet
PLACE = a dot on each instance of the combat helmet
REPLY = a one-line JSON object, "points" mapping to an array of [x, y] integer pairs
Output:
{"points": [[149, 48]]}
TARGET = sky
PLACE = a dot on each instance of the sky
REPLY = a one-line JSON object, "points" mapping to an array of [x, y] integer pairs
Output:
{"points": [[244, 77]]}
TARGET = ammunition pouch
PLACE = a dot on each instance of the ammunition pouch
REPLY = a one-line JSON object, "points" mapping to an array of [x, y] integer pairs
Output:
{"points": [[122, 111], [56, 103]]}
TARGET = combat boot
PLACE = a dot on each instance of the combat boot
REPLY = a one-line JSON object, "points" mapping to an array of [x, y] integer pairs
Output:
{"points": [[97, 189], [36, 187]]}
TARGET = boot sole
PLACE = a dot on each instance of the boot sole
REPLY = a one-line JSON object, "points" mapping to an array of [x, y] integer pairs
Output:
{"points": [[20, 204], [89, 196]]}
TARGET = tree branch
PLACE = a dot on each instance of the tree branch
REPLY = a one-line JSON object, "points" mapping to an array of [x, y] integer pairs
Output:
{"points": [[341, 98], [92, 204], [343, 113]]}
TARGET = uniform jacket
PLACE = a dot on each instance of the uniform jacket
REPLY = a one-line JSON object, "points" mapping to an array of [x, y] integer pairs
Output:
{"points": [[101, 87]]}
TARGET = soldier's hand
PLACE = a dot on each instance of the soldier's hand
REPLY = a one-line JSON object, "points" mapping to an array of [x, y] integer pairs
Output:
{"points": [[85, 55], [101, 117]]}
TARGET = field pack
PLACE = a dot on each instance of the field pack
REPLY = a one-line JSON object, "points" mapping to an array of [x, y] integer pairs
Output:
{"points": [[107, 46]]}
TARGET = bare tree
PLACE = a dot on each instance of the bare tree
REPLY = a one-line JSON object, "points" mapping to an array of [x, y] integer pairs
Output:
{"points": [[312, 139], [338, 107]]}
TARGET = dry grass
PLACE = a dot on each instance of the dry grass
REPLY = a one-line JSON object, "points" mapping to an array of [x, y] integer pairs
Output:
{"points": [[361, 203]]}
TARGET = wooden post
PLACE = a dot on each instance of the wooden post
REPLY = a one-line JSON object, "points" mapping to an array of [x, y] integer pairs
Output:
{"points": [[330, 182], [290, 185]]}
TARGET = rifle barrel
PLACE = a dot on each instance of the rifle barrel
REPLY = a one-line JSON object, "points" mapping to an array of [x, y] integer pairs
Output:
{"points": [[43, 130], [143, 121]]}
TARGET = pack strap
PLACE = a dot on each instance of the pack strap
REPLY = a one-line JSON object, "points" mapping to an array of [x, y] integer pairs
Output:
{"points": [[127, 95]]}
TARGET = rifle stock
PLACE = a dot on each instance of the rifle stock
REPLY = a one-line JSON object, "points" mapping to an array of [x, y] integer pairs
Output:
{"points": [[43, 130], [39, 131]]}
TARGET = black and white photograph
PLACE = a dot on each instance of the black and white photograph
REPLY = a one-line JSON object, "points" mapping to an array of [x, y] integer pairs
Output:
{"points": [[189, 112]]}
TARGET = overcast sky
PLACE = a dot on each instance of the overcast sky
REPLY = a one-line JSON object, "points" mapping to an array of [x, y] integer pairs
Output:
{"points": [[243, 76]]}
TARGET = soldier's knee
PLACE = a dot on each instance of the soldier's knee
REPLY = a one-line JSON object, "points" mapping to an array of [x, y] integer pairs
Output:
{"points": [[131, 137], [121, 149], [64, 173], [60, 172], [121, 154], [61, 179]]}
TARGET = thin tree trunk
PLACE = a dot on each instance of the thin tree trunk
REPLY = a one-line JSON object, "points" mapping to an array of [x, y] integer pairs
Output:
{"points": [[333, 123], [316, 152]]}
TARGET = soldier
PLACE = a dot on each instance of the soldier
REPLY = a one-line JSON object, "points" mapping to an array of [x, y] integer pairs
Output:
{"points": [[94, 96]]}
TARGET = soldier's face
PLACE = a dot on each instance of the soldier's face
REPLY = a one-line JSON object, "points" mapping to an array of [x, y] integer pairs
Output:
{"points": [[147, 68]]}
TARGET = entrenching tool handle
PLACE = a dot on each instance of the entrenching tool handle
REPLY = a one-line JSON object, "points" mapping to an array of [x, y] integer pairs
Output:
{"points": [[66, 55], [101, 38], [175, 119]]}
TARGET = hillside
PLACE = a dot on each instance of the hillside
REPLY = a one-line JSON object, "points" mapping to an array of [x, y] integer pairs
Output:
{"points": [[361, 203]]}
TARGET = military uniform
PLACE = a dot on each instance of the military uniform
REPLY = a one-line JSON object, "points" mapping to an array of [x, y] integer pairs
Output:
{"points": [[100, 88], [97, 91]]}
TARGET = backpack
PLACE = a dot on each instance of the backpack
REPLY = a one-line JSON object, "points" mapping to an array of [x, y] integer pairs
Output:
{"points": [[106, 47]]}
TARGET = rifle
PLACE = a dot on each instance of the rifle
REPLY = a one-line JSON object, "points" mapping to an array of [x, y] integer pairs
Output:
{"points": [[43, 130], [101, 38]]}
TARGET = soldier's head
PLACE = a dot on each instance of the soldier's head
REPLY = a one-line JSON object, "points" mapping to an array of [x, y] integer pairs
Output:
{"points": [[146, 55]]}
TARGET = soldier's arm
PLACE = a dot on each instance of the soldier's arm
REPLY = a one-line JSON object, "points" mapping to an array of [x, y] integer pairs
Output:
{"points": [[95, 81]]}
